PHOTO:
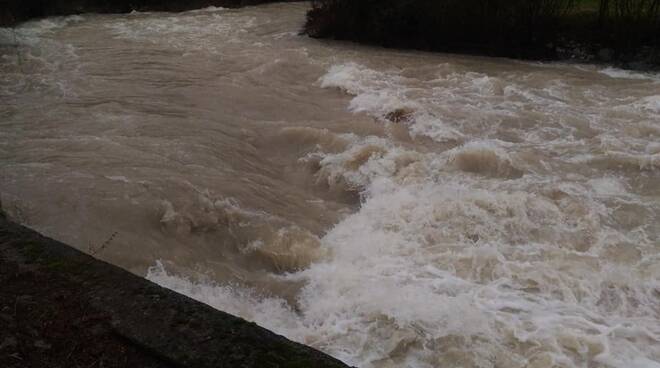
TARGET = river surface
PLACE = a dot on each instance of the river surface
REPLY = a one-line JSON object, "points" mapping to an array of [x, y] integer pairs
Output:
{"points": [[391, 208]]}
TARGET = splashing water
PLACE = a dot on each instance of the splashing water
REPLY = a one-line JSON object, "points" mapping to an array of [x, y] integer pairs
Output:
{"points": [[394, 209]]}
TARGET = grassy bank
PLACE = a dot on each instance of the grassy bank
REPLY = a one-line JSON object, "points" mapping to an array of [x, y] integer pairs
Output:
{"points": [[15, 11], [609, 30]]}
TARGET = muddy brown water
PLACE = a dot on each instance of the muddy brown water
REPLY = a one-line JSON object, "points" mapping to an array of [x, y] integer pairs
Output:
{"points": [[392, 208]]}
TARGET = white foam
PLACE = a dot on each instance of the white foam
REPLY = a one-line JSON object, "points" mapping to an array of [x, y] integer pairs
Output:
{"points": [[187, 31], [375, 92], [438, 264], [628, 74], [608, 187], [636, 160], [651, 103], [119, 178], [437, 260], [208, 9], [269, 312], [379, 94]]}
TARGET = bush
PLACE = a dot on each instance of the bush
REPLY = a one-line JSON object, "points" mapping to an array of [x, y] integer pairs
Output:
{"points": [[436, 24], [521, 28], [628, 23]]}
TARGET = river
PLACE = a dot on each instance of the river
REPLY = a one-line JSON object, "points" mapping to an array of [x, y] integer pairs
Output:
{"points": [[391, 208]]}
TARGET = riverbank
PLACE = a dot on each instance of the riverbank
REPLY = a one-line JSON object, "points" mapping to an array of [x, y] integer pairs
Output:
{"points": [[62, 308], [583, 31], [13, 12]]}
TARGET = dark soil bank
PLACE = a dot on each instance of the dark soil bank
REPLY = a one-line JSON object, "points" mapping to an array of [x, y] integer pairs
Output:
{"points": [[15, 11], [620, 31], [62, 308]]}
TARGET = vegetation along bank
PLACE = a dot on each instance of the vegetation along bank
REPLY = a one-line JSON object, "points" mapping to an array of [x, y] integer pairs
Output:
{"points": [[621, 31]]}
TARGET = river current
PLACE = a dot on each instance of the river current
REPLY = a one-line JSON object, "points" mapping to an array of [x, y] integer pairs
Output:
{"points": [[391, 208]]}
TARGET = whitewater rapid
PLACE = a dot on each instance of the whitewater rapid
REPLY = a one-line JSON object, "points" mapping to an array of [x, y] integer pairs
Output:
{"points": [[391, 208]]}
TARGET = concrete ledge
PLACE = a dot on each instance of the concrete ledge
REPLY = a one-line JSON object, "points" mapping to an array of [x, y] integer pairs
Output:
{"points": [[155, 324]]}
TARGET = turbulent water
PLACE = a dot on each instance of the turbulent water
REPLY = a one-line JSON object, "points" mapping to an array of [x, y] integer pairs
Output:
{"points": [[391, 208]]}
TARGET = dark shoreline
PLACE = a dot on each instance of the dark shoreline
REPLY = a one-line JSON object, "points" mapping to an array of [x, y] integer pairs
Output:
{"points": [[14, 12], [62, 308], [504, 30]]}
